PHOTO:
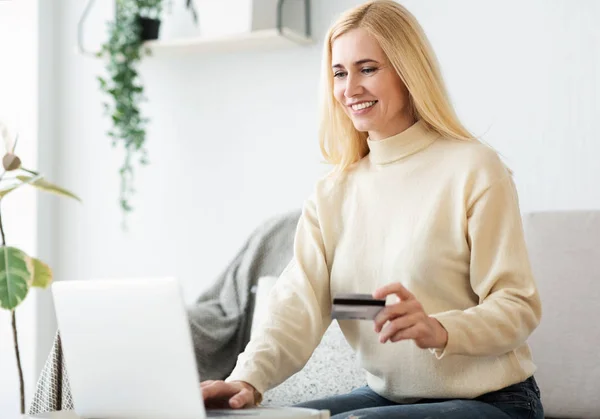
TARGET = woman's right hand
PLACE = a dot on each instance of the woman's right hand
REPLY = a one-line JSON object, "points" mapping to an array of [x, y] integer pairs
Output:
{"points": [[233, 394]]}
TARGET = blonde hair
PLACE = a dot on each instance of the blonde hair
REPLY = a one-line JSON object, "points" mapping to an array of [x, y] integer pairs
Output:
{"points": [[408, 50]]}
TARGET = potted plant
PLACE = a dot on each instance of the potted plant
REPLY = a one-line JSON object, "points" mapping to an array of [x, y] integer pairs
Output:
{"points": [[136, 21], [148, 18], [123, 51], [192, 7], [19, 271]]}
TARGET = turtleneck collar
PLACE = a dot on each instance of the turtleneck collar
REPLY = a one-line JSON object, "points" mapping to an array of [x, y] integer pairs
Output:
{"points": [[410, 141]]}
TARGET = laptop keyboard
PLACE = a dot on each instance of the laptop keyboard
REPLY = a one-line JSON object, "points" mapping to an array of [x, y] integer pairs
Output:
{"points": [[266, 413], [229, 414]]}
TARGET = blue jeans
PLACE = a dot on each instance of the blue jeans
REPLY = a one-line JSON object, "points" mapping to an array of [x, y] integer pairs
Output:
{"points": [[519, 401]]}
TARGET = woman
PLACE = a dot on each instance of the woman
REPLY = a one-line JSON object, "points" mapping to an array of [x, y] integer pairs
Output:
{"points": [[418, 212]]}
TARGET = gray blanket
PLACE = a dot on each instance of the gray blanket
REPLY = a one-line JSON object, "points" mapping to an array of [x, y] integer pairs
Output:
{"points": [[220, 320]]}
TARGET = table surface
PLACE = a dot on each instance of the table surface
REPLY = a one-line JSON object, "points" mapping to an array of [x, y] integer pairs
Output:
{"points": [[272, 413]]}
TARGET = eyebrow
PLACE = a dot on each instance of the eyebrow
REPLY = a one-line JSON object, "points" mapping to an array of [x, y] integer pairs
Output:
{"points": [[356, 63]]}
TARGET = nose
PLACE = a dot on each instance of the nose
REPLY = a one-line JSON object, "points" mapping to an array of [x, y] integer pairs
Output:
{"points": [[353, 86]]}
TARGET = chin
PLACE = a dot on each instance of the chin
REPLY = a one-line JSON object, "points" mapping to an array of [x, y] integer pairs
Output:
{"points": [[362, 126]]}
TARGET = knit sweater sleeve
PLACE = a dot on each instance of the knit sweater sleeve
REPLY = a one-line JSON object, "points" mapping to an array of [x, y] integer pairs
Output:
{"points": [[299, 308], [509, 306]]}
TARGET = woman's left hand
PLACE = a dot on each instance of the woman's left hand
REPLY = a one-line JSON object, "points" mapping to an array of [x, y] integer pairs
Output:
{"points": [[407, 320]]}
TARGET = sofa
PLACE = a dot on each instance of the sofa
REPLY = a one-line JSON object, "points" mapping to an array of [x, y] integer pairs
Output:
{"points": [[564, 249]]}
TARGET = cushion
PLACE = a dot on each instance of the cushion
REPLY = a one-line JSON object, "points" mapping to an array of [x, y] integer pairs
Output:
{"points": [[315, 380], [564, 248]]}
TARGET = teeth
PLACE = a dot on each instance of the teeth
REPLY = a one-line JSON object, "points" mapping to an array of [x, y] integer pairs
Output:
{"points": [[363, 105]]}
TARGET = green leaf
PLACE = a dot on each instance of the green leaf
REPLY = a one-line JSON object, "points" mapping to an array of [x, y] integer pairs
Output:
{"points": [[15, 276], [8, 189], [42, 274], [49, 187]]}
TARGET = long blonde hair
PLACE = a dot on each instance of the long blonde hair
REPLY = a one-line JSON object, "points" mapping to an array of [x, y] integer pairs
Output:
{"points": [[407, 48]]}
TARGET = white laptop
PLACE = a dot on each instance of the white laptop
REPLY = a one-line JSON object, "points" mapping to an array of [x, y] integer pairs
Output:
{"points": [[128, 351]]}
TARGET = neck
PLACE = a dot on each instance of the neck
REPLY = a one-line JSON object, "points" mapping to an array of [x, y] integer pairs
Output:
{"points": [[394, 128], [402, 145]]}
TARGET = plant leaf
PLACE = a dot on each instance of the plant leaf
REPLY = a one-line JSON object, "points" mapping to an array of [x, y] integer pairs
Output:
{"points": [[5, 191], [42, 274], [15, 276], [5, 136], [48, 187]]}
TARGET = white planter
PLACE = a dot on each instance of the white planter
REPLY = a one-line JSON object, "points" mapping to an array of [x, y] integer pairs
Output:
{"points": [[233, 17], [222, 20], [224, 17]]}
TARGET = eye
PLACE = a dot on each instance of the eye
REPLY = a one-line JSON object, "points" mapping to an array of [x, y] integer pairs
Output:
{"points": [[369, 70], [339, 74]]}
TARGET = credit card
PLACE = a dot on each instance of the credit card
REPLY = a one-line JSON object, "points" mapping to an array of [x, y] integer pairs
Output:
{"points": [[356, 307]]}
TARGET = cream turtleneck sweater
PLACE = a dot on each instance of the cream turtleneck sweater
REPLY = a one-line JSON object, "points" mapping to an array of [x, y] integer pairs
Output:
{"points": [[438, 215]]}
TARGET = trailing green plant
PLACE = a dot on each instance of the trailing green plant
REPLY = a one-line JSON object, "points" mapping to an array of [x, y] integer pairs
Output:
{"points": [[123, 51], [150, 8], [190, 5], [19, 271]]}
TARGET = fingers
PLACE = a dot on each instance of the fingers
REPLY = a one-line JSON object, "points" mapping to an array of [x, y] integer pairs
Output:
{"points": [[406, 319], [242, 399], [218, 390], [400, 324], [221, 394], [416, 332], [393, 288], [394, 311]]}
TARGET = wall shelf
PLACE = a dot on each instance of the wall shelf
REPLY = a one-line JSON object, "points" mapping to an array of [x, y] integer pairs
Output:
{"points": [[264, 39], [268, 31]]}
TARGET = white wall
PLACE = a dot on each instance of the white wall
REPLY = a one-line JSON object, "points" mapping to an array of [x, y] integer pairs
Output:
{"points": [[228, 149], [233, 137], [18, 109], [527, 75], [48, 245]]}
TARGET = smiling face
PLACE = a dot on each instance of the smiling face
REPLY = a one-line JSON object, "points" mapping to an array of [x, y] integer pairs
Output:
{"points": [[367, 86]]}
